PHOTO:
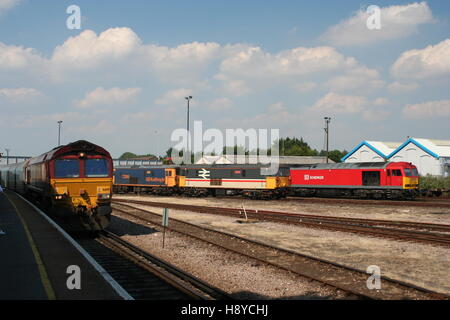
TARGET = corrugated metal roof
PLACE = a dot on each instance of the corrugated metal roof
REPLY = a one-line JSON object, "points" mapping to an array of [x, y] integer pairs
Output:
{"points": [[441, 143], [385, 147], [439, 147]]}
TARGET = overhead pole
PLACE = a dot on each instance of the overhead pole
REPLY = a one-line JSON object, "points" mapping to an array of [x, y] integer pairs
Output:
{"points": [[188, 98], [327, 131], [59, 132], [7, 155]]}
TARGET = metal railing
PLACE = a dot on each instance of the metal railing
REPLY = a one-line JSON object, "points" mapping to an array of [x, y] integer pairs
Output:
{"points": [[12, 159]]}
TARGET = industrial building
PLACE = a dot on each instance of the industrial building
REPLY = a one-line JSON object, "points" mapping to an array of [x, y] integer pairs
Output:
{"points": [[371, 151], [431, 157]]}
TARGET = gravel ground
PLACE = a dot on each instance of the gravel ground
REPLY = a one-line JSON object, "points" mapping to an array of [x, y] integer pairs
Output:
{"points": [[411, 213], [242, 277], [420, 264]]}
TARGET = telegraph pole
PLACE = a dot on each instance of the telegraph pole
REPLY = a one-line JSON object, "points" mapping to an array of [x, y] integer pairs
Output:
{"points": [[59, 132], [7, 156], [188, 98], [327, 131]]}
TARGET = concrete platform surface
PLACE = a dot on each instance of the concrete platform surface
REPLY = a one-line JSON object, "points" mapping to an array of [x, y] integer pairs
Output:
{"points": [[35, 257]]}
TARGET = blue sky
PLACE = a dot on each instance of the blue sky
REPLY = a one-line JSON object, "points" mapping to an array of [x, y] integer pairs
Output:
{"points": [[120, 81]]}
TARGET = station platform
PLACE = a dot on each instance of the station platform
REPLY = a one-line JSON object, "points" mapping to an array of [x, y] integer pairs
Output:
{"points": [[35, 256]]}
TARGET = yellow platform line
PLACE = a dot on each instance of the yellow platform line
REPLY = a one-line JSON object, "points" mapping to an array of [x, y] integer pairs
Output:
{"points": [[37, 257]]}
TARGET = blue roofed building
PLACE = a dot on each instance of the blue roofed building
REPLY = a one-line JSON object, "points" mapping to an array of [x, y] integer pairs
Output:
{"points": [[431, 157], [371, 151]]}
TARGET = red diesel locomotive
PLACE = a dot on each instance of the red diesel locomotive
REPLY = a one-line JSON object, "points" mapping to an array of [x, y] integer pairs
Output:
{"points": [[391, 180]]}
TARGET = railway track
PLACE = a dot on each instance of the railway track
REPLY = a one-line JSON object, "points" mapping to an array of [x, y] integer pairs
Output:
{"points": [[436, 234], [144, 276], [350, 280], [441, 203]]}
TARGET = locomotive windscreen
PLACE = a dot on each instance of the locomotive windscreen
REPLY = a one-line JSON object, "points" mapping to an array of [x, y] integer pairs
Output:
{"points": [[96, 168], [67, 168]]}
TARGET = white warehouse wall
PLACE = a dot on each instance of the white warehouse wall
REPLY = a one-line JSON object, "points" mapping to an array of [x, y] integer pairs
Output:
{"points": [[425, 163], [364, 154]]}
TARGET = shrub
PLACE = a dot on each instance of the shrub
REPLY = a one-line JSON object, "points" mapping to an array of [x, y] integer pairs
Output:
{"points": [[430, 183]]}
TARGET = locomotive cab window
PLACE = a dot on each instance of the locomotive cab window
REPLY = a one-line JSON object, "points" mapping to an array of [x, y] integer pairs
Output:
{"points": [[96, 168], [396, 173], [67, 168], [411, 172]]}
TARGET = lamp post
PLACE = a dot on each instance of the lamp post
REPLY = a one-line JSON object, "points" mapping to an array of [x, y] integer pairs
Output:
{"points": [[7, 156], [327, 122], [59, 132], [188, 98]]}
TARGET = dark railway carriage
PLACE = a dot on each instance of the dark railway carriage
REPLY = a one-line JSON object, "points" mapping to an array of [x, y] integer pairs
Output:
{"points": [[246, 180], [362, 180], [150, 179]]}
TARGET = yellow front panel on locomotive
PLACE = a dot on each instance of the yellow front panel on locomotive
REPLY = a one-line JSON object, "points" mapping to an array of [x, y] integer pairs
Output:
{"points": [[82, 192], [410, 183]]}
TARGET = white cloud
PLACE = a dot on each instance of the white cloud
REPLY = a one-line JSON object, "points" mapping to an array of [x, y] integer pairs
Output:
{"points": [[334, 103], [396, 22], [6, 5], [14, 57], [359, 78], [112, 96], [220, 104], [381, 102], [20, 94], [375, 115], [185, 56], [87, 49], [253, 62], [420, 64], [231, 86], [245, 68], [44, 120], [122, 49], [431, 109], [176, 96], [400, 87], [304, 86], [239, 68]]}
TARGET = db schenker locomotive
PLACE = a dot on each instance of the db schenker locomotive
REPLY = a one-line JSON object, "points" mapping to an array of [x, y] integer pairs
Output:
{"points": [[72, 182], [392, 180], [378, 180]]}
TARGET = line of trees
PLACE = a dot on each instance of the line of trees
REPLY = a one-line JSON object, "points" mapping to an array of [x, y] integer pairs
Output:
{"points": [[287, 147]]}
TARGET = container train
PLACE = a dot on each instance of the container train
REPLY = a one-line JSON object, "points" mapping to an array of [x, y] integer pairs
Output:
{"points": [[72, 182], [389, 180]]}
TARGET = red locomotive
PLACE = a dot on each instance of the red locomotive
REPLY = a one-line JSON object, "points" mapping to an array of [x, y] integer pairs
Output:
{"points": [[392, 180]]}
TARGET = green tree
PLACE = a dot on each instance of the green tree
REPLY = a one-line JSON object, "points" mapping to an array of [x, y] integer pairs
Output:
{"points": [[295, 147], [334, 155], [128, 155]]}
